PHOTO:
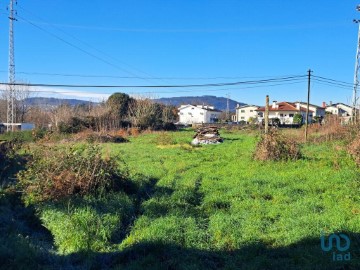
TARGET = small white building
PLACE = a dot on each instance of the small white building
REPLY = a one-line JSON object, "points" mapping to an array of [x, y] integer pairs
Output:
{"points": [[285, 112], [17, 126], [198, 114], [245, 113]]}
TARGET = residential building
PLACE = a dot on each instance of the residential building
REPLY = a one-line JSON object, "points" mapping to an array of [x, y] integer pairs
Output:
{"points": [[245, 113], [197, 114], [318, 111], [339, 109], [285, 112]]}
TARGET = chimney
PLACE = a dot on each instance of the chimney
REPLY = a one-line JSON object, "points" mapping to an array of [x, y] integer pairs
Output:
{"points": [[324, 104], [330, 103], [274, 104], [298, 106]]}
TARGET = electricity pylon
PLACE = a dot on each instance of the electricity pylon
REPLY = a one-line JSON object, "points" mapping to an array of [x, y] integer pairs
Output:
{"points": [[11, 86]]}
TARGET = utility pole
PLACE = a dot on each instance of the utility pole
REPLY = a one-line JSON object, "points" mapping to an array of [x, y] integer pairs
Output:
{"points": [[227, 106], [266, 116], [356, 74], [307, 106], [11, 71]]}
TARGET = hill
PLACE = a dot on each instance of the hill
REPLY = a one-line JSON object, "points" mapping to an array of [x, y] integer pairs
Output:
{"points": [[218, 102], [45, 101]]}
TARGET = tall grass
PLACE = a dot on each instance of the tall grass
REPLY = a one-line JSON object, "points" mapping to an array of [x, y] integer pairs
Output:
{"points": [[215, 207]]}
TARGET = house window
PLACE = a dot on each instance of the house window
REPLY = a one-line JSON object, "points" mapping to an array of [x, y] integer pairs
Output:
{"points": [[260, 114], [242, 117], [181, 113], [202, 113], [281, 115], [251, 110], [190, 113], [291, 115], [242, 111]]}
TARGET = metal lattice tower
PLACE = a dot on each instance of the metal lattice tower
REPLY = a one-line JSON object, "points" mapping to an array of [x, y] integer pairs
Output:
{"points": [[11, 86], [356, 74]]}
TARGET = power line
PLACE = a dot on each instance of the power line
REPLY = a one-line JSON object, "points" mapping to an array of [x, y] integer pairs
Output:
{"points": [[335, 81], [170, 92], [284, 79], [76, 47], [91, 46], [137, 77], [332, 85]]}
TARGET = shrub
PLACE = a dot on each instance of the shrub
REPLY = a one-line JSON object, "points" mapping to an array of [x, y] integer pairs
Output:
{"points": [[39, 133], [134, 131], [10, 161], [298, 119], [275, 146], [332, 129], [74, 125], [168, 126], [104, 138], [56, 172], [354, 149], [165, 138]]}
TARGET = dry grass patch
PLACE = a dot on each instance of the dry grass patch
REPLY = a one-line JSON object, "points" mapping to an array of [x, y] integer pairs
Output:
{"points": [[276, 146]]}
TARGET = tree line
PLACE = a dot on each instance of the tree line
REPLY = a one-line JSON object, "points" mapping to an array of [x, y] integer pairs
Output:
{"points": [[118, 111]]}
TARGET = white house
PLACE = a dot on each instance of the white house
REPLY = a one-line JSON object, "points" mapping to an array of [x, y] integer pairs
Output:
{"points": [[318, 111], [339, 109], [244, 113], [197, 114], [285, 112]]}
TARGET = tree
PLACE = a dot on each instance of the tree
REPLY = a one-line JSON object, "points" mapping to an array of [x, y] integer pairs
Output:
{"points": [[298, 119], [21, 107], [144, 113], [119, 104]]}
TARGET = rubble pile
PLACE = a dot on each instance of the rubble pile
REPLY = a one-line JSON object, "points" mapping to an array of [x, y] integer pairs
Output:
{"points": [[207, 135]]}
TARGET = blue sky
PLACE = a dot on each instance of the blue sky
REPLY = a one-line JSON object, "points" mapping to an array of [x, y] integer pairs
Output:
{"points": [[184, 42]]}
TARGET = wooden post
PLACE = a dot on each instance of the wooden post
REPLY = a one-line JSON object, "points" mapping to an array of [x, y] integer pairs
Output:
{"points": [[266, 114], [307, 107]]}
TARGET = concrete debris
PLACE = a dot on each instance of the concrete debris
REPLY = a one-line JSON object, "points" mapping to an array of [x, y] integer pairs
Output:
{"points": [[207, 135]]}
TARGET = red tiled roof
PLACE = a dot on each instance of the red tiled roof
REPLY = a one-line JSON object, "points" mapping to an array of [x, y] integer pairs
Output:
{"points": [[283, 106]]}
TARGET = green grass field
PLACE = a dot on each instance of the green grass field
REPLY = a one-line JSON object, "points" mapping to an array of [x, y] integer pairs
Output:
{"points": [[214, 207]]}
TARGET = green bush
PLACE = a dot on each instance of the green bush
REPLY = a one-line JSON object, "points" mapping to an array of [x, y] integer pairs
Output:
{"points": [[298, 119], [56, 172]]}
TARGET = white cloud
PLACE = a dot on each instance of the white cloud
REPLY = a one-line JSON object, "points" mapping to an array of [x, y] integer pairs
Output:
{"points": [[66, 93]]}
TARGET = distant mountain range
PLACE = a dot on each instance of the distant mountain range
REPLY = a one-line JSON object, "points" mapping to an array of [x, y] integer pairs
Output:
{"points": [[219, 103], [45, 102]]}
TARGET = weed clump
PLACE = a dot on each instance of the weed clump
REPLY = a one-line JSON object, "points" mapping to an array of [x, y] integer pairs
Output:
{"points": [[354, 149], [165, 138], [275, 146], [57, 172]]}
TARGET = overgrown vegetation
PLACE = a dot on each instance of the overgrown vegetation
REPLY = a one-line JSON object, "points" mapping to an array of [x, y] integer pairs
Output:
{"points": [[354, 149], [212, 207], [276, 146], [57, 172], [99, 222]]}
